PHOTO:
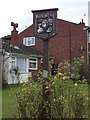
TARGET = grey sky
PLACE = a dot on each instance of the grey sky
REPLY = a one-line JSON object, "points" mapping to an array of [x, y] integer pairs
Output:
{"points": [[19, 11]]}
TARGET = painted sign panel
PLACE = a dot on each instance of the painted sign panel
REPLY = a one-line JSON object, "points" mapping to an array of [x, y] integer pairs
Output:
{"points": [[45, 23]]}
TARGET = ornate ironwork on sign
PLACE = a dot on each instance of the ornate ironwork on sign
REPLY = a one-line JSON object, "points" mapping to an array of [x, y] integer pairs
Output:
{"points": [[45, 22]]}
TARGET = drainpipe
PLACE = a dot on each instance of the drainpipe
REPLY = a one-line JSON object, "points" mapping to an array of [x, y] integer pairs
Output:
{"points": [[88, 75], [87, 29], [87, 48]]}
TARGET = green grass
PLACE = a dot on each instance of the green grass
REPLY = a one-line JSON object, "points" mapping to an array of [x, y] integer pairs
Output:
{"points": [[9, 101]]}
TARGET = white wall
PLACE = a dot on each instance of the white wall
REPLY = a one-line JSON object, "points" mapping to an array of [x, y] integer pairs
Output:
{"points": [[12, 78]]}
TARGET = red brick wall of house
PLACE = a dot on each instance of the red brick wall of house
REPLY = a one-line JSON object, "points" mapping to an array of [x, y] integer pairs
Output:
{"points": [[59, 46], [29, 33]]}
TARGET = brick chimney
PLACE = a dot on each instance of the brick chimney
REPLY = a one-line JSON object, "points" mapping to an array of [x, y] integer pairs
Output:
{"points": [[82, 23], [14, 34]]}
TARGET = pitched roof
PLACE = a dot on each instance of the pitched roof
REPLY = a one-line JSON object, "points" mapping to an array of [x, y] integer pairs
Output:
{"points": [[21, 49], [18, 49]]}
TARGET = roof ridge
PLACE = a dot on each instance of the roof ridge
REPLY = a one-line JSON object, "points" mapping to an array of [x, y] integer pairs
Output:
{"points": [[68, 21]]}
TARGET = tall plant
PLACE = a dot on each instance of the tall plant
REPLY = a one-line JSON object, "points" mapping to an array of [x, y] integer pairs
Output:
{"points": [[67, 99]]}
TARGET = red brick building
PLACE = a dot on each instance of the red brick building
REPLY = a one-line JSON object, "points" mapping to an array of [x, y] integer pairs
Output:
{"points": [[72, 40]]}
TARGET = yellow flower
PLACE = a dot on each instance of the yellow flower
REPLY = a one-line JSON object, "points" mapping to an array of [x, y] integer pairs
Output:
{"points": [[76, 84], [64, 78], [68, 77], [28, 77], [87, 98], [59, 73], [53, 83], [61, 97], [55, 77], [25, 81]]}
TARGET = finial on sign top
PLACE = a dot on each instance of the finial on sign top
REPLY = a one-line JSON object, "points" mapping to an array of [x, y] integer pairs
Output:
{"points": [[15, 25]]}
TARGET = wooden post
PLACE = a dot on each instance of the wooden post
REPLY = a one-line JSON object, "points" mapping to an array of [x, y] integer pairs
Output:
{"points": [[46, 54], [45, 27], [45, 102]]}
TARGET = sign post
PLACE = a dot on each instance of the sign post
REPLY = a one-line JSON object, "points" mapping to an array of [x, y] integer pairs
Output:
{"points": [[45, 27]]}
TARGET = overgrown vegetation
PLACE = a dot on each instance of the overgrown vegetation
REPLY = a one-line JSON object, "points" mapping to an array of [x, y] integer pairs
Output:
{"points": [[67, 98]]}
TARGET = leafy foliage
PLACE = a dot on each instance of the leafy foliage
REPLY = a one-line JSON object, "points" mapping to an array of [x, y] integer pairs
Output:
{"points": [[66, 98]]}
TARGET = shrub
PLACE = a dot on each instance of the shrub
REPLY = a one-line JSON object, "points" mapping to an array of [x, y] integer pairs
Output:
{"points": [[66, 99]]}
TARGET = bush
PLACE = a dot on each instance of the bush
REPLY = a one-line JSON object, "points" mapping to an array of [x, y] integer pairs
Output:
{"points": [[65, 98], [29, 99]]}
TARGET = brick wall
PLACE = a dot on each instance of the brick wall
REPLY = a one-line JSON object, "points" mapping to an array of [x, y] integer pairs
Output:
{"points": [[14, 37], [59, 46]]}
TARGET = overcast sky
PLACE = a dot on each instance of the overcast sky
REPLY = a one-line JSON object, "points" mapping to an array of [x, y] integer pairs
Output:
{"points": [[19, 11]]}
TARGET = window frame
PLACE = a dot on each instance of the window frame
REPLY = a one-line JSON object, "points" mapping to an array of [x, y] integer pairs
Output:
{"points": [[33, 62], [16, 64], [27, 40], [13, 61], [25, 64]]}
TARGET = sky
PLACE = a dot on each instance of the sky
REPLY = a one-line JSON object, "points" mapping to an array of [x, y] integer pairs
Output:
{"points": [[19, 11]]}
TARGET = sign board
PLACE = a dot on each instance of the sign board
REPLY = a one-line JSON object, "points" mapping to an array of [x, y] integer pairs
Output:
{"points": [[45, 23]]}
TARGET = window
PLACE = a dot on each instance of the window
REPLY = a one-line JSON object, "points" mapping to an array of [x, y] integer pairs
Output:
{"points": [[13, 63], [21, 64], [18, 62], [29, 41], [33, 63]]}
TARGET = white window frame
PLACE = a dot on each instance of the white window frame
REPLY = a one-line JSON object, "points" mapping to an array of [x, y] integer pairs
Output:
{"points": [[33, 62], [13, 61], [25, 61], [28, 41]]}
